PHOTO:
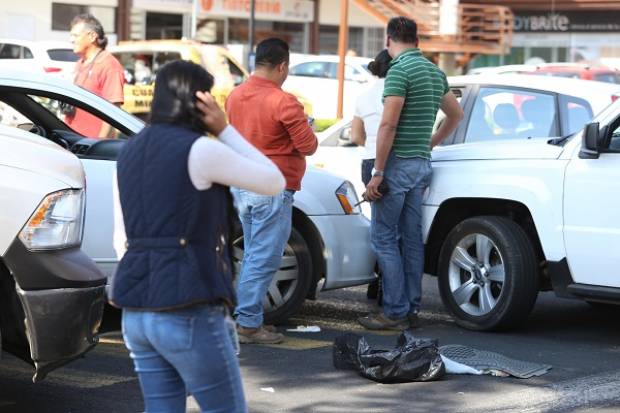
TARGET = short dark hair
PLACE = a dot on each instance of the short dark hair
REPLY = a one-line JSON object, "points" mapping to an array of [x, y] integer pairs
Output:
{"points": [[93, 24], [402, 29], [380, 66], [272, 52], [174, 97]]}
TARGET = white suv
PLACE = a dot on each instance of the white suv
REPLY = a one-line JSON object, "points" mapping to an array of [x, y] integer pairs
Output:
{"points": [[506, 219]]}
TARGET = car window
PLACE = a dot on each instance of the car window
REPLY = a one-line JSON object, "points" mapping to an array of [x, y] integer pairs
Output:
{"points": [[237, 74], [458, 93], [62, 55], [10, 51], [575, 113], [11, 117], [614, 144], [27, 53], [141, 67], [511, 114], [312, 69], [607, 77]]}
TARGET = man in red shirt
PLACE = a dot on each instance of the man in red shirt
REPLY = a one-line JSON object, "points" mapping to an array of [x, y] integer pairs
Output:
{"points": [[275, 123], [96, 71]]}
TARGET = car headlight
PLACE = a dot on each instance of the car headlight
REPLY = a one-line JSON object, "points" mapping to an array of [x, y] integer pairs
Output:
{"points": [[57, 222], [348, 198]]}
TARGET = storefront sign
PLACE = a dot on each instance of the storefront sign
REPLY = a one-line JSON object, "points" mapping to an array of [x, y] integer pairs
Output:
{"points": [[568, 21], [283, 10]]}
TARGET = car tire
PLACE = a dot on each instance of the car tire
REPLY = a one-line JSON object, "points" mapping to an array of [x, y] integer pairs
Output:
{"points": [[488, 277], [292, 282]]}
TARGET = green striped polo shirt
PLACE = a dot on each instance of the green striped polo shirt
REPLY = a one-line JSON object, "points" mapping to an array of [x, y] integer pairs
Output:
{"points": [[423, 85]]}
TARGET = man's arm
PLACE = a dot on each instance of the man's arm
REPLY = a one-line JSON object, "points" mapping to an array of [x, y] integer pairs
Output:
{"points": [[454, 113], [358, 134], [296, 124], [392, 107]]}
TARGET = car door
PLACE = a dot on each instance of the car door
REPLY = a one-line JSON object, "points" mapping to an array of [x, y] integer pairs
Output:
{"points": [[591, 223]]}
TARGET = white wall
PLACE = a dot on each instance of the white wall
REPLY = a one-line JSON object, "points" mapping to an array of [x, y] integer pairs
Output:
{"points": [[32, 19], [329, 13]]}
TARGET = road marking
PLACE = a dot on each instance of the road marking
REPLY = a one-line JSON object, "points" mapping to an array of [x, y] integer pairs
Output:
{"points": [[563, 396]]}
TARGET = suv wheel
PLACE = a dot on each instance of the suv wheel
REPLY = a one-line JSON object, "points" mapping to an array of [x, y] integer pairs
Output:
{"points": [[488, 277], [290, 284]]}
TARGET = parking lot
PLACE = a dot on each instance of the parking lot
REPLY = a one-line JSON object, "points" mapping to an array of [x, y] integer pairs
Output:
{"points": [[580, 342]]}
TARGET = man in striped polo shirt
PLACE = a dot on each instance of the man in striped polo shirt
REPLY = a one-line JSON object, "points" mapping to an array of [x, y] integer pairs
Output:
{"points": [[414, 91]]}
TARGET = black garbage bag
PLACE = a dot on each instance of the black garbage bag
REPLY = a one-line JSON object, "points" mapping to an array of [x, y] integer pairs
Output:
{"points": [[413, 359]]}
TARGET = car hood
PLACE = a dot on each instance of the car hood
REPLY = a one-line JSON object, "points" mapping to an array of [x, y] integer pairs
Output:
{"points": [[498, 150], [23, 150]]}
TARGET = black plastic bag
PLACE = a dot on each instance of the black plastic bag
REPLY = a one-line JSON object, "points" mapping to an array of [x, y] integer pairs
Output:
{"points": [[413, 359]]}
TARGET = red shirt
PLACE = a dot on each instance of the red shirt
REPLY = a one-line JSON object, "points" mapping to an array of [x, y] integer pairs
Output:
{"points": [[105, 77], [274, 122]]}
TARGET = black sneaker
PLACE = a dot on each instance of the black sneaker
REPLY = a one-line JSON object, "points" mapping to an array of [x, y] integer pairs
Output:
{"points": [[382, 322], [414, 320]]}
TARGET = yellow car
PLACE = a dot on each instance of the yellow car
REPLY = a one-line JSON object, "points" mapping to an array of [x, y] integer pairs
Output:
{"points": [[142, 59]]}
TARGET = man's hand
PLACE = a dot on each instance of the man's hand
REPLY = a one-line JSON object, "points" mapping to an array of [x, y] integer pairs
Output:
{"points": [[372, 189], [213, 117]]}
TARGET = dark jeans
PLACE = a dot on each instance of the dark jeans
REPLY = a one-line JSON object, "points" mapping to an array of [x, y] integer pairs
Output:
{"points": [[396, 234]]}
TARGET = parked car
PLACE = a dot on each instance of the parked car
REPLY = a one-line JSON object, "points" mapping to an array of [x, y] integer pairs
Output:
{"points": [[586, 72], [569, 70], [497, 107], [142, 60], [329, 241], [315, 77], [51, 293], [55, 58]]}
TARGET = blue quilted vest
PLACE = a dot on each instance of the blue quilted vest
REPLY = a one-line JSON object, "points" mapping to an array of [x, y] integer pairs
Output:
{"points": [[177, 237]]}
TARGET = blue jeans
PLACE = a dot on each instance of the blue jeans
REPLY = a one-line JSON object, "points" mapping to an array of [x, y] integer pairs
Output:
{"points": [[398, 214], [184, 351], [266, 222]]}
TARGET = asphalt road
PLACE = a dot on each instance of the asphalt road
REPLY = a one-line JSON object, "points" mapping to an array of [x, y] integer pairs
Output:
{"points": [[581, 343]]}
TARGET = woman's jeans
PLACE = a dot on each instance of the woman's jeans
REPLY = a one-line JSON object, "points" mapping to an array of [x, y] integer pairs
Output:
{"points": [[184, 351]]}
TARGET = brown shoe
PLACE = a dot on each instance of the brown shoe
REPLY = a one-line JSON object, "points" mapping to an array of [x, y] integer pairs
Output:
{"points": [[258, 335], [382, 322]]}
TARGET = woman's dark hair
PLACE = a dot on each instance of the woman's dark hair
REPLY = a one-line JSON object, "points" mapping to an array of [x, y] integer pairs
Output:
{"points": [[272, 52], [174, 97], [92, 24], [402, 29], [380, 66]]}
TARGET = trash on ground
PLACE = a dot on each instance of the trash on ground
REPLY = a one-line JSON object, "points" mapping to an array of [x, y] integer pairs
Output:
{"points": [[268, 389], [305, 329], [487, 362], [413, 359]]}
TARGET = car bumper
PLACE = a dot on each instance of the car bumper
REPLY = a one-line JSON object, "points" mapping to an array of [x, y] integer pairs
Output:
{"points": [[348, 256], [53, 306]]}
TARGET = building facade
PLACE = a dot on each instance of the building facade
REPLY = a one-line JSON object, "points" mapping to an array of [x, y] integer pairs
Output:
{"points": [[561, 31]]}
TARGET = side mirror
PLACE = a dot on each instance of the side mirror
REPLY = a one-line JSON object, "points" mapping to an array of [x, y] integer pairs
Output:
{"points": [[590, 142], [344, 139]]}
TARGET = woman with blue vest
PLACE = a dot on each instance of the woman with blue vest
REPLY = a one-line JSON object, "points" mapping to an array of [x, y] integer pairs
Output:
{"points": [[173, 212]]}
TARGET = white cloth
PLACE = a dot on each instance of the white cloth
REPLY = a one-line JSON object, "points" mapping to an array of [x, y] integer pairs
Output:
{"points": [[369, 108], [229, 160]]}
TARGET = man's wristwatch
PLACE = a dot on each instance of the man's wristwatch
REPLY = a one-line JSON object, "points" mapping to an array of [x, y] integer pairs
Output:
{"points": [[376, 172]]}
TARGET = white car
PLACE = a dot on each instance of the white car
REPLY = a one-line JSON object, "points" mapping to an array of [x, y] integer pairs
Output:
{"points": [[55, 58], [330, 240], [315, 78], [497, 107]]}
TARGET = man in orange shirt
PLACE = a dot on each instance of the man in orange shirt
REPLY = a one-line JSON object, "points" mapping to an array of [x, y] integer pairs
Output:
{"points": [[96, 71], [275, 123]]}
